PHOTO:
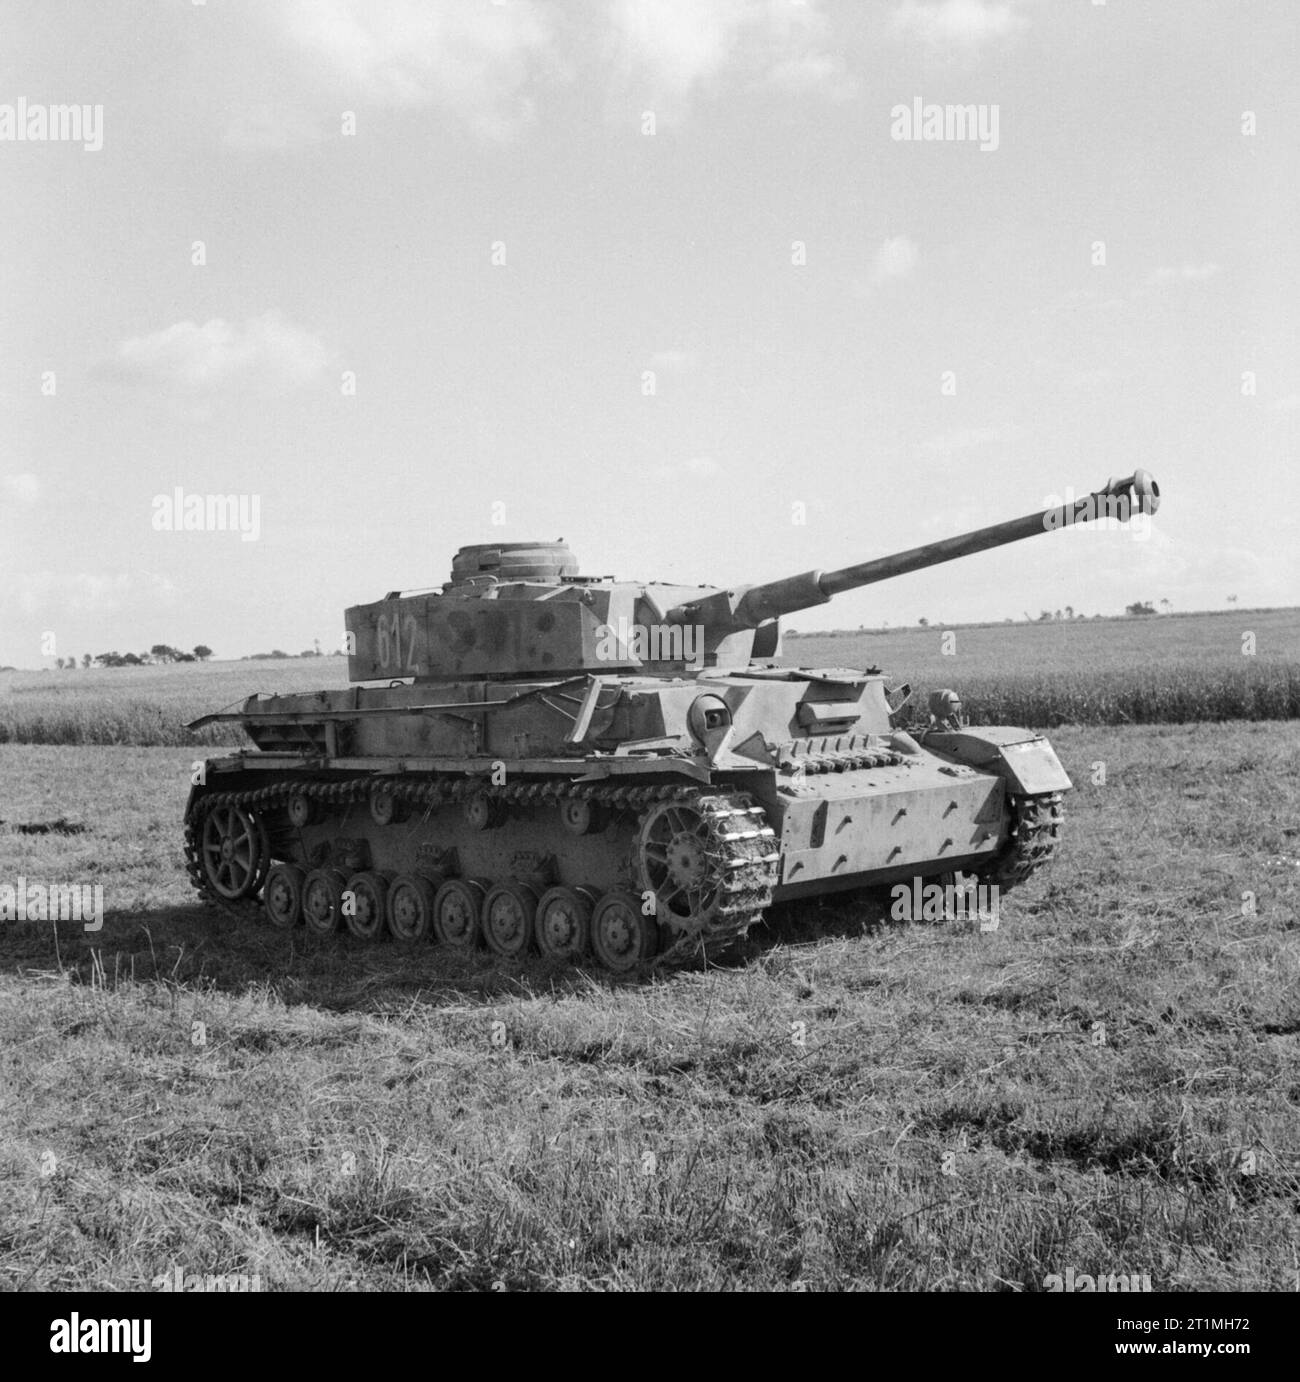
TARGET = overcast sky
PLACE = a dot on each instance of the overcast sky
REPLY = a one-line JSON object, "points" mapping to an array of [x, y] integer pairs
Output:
{"points": [[445, 246]]}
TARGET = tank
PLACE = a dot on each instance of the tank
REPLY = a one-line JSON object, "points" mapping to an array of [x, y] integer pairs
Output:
{"points": [[533, 759]]}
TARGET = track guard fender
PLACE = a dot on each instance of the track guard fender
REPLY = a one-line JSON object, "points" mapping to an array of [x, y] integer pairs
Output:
{"points": [[1025, 760]]}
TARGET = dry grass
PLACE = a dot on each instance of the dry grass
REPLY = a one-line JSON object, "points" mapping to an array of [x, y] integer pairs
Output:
{"points": [[949, 1121]]}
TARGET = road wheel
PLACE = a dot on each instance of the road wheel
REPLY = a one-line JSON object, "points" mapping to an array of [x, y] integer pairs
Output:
{"points": [[457, 911], [410, 907], [621, 934], [508, 912], [322, 900], [563, 923], [283, 895], [365, 918]]}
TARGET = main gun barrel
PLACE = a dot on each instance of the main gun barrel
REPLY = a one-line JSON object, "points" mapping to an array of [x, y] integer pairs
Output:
{"points": [[1116, 499]]}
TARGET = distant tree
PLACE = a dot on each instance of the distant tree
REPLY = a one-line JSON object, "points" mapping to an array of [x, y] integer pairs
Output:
{"points": [[58, 662], [924, 623], [1045, 616], [162, 652], [85, 659], [1232, 599], [1069, 611], [185, 657], [1057, 615], [131, 660], [1165, 605], [202, 652], [1140, 607], [317, 642]]}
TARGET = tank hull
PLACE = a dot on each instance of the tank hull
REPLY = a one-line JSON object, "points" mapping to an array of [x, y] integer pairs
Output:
{"points": [[703, 822]]}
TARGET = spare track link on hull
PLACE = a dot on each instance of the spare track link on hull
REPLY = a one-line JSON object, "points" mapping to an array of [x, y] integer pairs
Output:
{"points": [[741, 846], [1036, 831]]}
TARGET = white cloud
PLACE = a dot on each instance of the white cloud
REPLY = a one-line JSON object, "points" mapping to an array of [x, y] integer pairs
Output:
{"points": [[267, 353], [1184, 273], [676, 43], [22, 489], [491, 65], [473, 58], [895, 259], [666, 49], [956, 23]]}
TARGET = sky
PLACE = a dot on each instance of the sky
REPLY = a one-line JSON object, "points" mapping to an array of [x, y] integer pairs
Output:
{"points": [[666, 279]]}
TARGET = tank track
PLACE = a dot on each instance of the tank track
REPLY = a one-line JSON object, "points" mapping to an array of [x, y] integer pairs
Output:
{"points": [[741, 845], [1035, 834]]}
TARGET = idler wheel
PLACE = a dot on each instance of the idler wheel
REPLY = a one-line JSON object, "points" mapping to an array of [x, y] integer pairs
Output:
{"points": [[301, 809], [563, 923], [283, 895], [365, 918], [322, 900], [410, 907], [457, 912], [621, 934], [234, 852]]}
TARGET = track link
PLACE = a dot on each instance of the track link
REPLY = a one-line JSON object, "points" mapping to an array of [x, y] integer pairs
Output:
{"points": [[1035, 833]]}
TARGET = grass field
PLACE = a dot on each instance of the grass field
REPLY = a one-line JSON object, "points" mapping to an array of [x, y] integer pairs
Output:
{"points": [[1109, 1081], [1168, 669]]}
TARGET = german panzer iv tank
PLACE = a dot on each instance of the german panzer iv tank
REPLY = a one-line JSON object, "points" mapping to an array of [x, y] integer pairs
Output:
{"points": [[575, 763]]}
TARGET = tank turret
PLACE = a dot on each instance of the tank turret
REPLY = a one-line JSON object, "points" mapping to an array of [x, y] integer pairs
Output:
{"points": [[522, 610]]}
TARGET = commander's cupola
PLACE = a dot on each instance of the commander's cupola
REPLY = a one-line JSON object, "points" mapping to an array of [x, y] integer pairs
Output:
{"points": [[493, 563]]}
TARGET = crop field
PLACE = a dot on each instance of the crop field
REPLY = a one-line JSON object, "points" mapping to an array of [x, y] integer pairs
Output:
{"points": [[1109, 1081], [1167, 669], [148, 705]]}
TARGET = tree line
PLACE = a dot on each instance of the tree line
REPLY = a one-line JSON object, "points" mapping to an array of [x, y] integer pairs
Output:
{"points": [[160, 652]]}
